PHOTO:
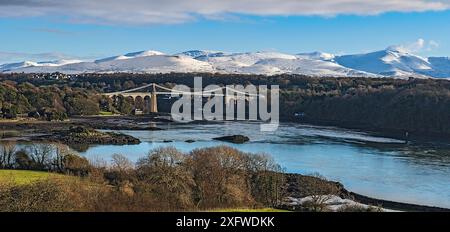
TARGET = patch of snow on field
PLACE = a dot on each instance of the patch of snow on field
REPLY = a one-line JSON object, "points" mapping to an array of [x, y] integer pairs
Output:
{"points": [[332, 202]]}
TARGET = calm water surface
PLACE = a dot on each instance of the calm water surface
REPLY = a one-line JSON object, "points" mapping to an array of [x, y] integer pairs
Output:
{"points": [[377, 167]]}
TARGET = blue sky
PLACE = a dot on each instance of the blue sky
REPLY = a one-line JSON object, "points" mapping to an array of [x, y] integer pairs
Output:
{"points": [[42, 35]]}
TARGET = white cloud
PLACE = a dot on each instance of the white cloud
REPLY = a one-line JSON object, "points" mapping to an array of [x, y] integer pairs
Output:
{"points": [[178, 11], [420, 45], [432, 45], [416, 46]]}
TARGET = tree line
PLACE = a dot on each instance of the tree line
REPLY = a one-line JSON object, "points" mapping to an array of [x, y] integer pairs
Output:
{"points": [[42, 157], [416, 106]]}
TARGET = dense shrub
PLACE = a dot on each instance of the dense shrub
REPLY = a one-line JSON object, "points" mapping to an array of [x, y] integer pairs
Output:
{"points": [[163, 172], [40, 196], [221, 177]]}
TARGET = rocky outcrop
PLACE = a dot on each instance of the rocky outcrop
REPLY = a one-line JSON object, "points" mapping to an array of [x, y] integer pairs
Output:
{"points": [[234, 139], [82, 135]]}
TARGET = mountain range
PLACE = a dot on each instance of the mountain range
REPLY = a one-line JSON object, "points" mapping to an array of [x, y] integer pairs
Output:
{"points": [[390, 62]]}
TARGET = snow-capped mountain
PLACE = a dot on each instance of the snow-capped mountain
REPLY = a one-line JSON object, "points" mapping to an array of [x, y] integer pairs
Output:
{"points": [[138, 64], [441, 67], [276, 63], [19, 65], [311, 67], [201, 53], [144, 53], [131, 55], [390, 62], [25, 64]]}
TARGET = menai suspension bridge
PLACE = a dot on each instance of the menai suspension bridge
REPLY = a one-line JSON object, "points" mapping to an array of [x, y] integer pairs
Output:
{"points": [[231, 97]]}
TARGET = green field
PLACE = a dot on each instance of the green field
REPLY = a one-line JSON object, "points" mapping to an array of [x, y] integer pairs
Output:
{"points": [[105, 113], [25, 176]]}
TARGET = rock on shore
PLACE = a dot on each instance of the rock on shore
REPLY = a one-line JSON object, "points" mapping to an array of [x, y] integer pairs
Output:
{"points": [[81, 135], [234, 139]]}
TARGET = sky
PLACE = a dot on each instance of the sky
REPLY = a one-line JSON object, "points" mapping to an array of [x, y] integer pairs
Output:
{"points": [[84, 29]]}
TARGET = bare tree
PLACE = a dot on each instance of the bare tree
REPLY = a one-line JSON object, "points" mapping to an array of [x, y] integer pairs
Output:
{"points": [[60, 153], [221, 177], [121, 170], [7, 158], [163, 173], [320, 190], [121, 163], [41, 155], [266, 179]]}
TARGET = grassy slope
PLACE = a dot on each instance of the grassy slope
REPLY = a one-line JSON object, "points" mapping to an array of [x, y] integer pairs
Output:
{"points": [[22, 177], [26, 177]]}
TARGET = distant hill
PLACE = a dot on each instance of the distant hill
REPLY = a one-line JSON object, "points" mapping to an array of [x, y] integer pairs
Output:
{"points": [[391, 62]]}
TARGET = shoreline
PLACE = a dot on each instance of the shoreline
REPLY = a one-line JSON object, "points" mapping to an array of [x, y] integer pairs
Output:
{"points": [[346, 194], [395, 205], [376, 131], [119, 122]]}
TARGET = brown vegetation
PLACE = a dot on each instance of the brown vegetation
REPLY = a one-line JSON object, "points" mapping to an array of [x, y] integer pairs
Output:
{"points": [[164, 180]]}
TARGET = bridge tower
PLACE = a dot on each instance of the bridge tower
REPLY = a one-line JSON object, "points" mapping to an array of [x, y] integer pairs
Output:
{"points": [[153, 101]]}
